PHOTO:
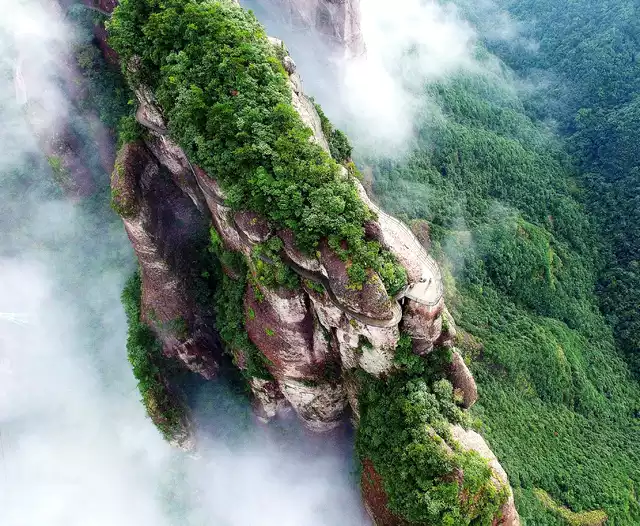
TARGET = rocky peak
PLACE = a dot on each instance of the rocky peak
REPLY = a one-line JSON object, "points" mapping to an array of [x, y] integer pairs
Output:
{"points": [[315, 336], [338, 21]]}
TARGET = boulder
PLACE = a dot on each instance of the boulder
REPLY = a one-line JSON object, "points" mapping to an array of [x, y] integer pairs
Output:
{"points": [[463, 381], [280, 323], [268, 401], [255, 227], [320, 405], [423, 323], [370, 299]]}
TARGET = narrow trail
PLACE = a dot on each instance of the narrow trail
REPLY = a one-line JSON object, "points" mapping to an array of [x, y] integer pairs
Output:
{"points": [[430, 289]]}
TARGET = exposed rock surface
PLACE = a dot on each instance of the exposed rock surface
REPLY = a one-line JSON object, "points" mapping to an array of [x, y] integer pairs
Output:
{"points": [[375, 498], [463, 381], [336, 20], [268, 400], [166, 231], [371, 299]]}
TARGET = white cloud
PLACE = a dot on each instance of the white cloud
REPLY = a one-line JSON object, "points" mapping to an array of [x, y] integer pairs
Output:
{"points": [[408, 44], [76, 448]]}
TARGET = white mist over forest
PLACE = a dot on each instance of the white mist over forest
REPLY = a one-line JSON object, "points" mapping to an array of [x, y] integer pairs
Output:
{"points": [[377, 97]]}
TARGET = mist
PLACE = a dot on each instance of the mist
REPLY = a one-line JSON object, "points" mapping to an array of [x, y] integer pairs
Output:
{"points": [[76, 447], [378, 98]]}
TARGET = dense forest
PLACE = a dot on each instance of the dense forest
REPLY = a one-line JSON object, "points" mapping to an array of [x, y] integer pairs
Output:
{"points": [[532, 200], [585, 73]]}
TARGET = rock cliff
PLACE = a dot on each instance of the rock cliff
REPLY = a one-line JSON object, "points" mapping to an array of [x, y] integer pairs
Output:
{"points": [[338, 21], [316, 338]]}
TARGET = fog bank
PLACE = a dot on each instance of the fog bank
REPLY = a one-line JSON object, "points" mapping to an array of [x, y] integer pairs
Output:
{"points": [[75, 445]]}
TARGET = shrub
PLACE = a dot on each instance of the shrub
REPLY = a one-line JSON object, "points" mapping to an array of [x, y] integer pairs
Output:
{"points": [[150, 368], [404, 432]]}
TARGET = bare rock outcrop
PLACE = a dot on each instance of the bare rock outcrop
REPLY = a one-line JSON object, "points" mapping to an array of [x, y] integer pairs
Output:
{"points": [[166, 231], [268, 399], [370, 299], [338, 21], [423, 323], [462, 380], [280, 323]]}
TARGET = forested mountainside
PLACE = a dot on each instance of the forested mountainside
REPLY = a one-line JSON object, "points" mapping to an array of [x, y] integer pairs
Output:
{"points": [[584, 70], [540, 233]]}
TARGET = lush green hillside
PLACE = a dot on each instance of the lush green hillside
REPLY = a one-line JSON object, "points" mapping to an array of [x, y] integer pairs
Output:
{"points": [[508, 215], [589, 55]]}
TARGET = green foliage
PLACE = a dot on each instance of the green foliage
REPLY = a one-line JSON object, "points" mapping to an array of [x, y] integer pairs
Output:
{"points": [[128, 130], [229, 308], [150, 367], [589, 50], [61, 175], [228, 105], [314, 286], [404, 431], [270, 271], [586, 518], [339, 145], [405, 359], [107, 93], [433, 365], [567, 396]]}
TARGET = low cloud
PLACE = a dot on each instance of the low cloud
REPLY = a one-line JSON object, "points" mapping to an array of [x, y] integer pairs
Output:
{"points": [[376, 98], [75, 445]]}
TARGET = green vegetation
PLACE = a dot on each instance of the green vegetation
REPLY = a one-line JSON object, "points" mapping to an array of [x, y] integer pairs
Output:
{"points": [[538, 234], [589, 51], [405, 431], [61, 175], [586, 518], [150, 367], [508, 216], [339, 145], [228, 105], [314, 286], [107, 92], [229, 307], [270, 270]]}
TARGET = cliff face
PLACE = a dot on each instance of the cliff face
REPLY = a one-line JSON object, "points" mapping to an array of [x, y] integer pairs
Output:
{"points": [[317, 337], [338, 21], [167, 233]]}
